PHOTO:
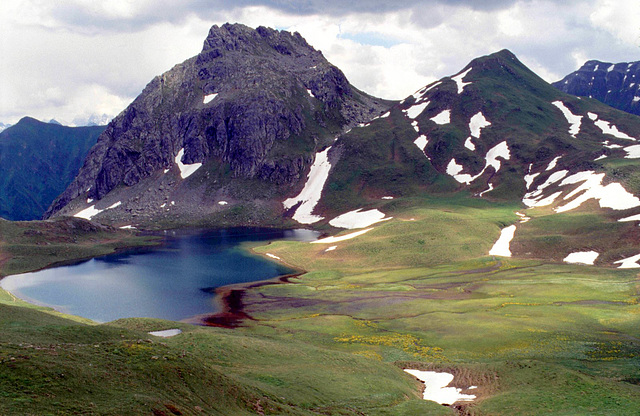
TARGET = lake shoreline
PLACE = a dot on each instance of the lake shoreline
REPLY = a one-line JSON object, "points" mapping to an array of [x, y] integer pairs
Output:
{"points": [[226, 309], [230, 300]]}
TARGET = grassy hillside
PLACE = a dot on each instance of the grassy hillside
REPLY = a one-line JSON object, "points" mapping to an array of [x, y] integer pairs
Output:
{"points": [[32, 245], [37, 162], [419, 291]]}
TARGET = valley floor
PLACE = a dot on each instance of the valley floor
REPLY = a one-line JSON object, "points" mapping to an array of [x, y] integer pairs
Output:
{"points": [[416, 292]]}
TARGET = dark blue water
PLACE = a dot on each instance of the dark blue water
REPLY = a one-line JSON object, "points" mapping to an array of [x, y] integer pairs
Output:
{"points": [[175, 281]]}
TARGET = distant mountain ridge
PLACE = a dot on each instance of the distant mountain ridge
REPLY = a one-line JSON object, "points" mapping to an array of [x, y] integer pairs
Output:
{"points": [[615, 84], [38, 161]]}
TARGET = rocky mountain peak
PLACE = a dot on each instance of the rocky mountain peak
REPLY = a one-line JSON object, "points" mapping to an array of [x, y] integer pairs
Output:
{"points": [[238, 37], [255, 104]]}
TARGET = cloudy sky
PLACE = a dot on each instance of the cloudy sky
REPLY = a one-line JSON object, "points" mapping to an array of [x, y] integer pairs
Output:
{"points": [[70, 59]]}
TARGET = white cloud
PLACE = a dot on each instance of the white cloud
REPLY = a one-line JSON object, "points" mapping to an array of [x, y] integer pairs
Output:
{"points": [[620, 18], [65, 58]]}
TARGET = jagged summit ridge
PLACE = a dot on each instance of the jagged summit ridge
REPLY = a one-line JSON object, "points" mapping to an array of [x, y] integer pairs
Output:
{"points": [[232, 37], [254, 104], [615, 84]]}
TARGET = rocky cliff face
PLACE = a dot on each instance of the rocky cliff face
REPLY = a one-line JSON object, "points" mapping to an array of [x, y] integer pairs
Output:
{"points": [[617, 85], [254, 106]]}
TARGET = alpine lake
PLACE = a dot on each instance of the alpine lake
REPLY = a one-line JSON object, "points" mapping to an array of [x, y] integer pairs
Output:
{"points": [[174, 281]]}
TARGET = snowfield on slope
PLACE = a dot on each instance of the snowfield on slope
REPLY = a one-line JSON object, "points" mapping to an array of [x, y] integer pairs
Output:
{"points": [[331, 240], [186, 170], [92, 211], [629, 262], [167, 333], [312, 191], [612, 195], [442, 118], [477, 123], [573, 120], [582, 257], [415, 110], [608, 128], [459, 80], [436, 389], [358, 219], [501, 247], [208, 98], [501, 150]]}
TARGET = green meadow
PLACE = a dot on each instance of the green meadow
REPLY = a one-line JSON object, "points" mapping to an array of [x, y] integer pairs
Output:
{"points": [[535, 336]]}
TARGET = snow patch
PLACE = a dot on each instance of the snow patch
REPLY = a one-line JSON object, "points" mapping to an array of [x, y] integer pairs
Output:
{"points": [[469, 144], [608, 128], [631, 218], [553, 163], [610, 68], [421, 142], [186, 170], [537, 202], [88, 213], [127, 227], [166, 333], [629, 262], [602, 157], [611, 146], [222, 203], [414, 124], [358, 219], [342, 237], [419, 94], [612, 195], [92, 211], [489, 189], [436, 389], [208, 98], [331, 249], [312, 191], [387, 197], [273, 256], [523, 217], [528, 179], [582, 257], [89, 200], [415, 110], [458, 79], [310, 93], [443, 118], [633, 152], [574, 120], [501, 150], [636, 99], [501, 247], [477, 123]]}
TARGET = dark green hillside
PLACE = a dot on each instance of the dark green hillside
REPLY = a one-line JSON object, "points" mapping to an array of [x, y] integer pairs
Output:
{"points": [[381, 158], [37, 162]]}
